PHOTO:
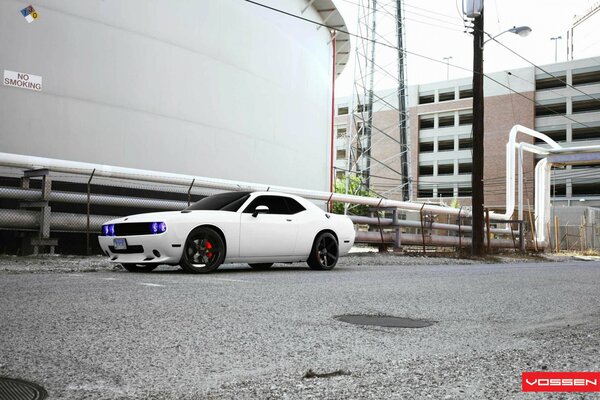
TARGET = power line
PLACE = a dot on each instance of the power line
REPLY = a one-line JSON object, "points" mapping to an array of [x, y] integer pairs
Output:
{"points": [[419, 55], [544, 71]]}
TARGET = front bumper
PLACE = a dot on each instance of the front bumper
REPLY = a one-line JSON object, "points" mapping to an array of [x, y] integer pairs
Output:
{"points": [[144, 249]]}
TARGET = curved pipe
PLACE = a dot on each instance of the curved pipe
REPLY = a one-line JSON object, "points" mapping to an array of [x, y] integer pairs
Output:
{"points": [[511, 147]]}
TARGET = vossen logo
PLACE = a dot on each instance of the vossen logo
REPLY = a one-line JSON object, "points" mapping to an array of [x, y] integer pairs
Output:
{"points": [[560, 381]]}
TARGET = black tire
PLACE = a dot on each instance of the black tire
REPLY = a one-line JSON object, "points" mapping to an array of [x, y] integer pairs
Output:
{"points": [[325, 252], [260, 266], [204, 251], [139, 267]]}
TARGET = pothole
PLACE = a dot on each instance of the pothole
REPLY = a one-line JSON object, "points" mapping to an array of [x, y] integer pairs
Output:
{"points": [[385, 321], [16, 389]]}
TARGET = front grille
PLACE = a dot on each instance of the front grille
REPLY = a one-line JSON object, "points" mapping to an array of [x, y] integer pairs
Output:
{"points": [[129, 250], [132, 229]]}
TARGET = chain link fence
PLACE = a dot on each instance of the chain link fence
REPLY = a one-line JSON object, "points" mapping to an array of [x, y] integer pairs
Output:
{"points": [[45, 211], [575, 229]]}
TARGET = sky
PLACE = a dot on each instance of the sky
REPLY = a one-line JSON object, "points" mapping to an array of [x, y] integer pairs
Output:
{"points": [[435, 29]]}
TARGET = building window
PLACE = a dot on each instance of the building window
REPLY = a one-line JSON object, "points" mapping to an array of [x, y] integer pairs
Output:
{"points": [[465, 92], [446, 95], [363, 108], [426, 147], [586, 78], [585, 105], [445, 120], [445, 192], [585, 133], [558, 135], [426, 98], [342, 110], [465, 118], [558, 190], [465, 144], [550, 82], [464, 191], [586, 166], [445, 169], [360, 128], [585, 189], [560, 107], [425, 192], [446, 145], [341, 133], [426, 122], [341, 154], [425, 170], [465, 168]]}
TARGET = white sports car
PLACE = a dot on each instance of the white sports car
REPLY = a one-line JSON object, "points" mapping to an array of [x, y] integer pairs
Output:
{"points": [[258, 228]]}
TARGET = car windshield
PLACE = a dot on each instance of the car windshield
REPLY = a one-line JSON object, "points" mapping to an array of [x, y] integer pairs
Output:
{"points": [[224, 202]]}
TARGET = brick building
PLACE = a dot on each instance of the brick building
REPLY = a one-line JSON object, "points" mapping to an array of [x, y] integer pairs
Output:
{"points": [[440, 133]]}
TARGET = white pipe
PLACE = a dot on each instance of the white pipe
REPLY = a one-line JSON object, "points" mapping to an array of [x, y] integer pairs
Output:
{"points": [[542, 200], [520, 216], [74, 167], [511, 146]]}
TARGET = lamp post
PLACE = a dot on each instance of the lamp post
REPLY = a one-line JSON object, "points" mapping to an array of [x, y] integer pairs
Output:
{"points": [[447, 59], [477, 196], [556, 39]]}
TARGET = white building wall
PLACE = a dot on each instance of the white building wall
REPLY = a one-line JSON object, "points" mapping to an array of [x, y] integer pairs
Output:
{"points": [[222, 88]]}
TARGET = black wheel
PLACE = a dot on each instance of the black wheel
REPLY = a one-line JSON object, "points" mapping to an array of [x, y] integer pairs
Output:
{"points": [[204, 251], [139, 267], [261, 266], [324, 253]]}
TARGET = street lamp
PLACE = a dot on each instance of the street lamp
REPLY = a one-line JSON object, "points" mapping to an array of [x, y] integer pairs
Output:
{"points": [[477, 243], [556, 39], [518, 30], [447, 59]]}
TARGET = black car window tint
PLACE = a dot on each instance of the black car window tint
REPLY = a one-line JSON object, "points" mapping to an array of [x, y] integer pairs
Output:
{"points": [[276, 204], [234, 206], [219, 201], [294, 206]]}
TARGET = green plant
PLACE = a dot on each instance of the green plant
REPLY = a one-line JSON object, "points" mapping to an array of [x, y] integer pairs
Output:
{"points": [[355, 187], [455, 203]]}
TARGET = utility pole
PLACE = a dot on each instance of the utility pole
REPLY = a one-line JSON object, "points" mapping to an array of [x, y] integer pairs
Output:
{"points": [[402, 103], [368, 127], [478, 248]]}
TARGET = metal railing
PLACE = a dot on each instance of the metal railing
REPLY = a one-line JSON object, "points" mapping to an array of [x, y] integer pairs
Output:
{"points": [[66, 196]]}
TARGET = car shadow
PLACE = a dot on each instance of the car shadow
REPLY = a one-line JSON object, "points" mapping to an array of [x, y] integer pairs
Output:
{"points": [[228, 270]]}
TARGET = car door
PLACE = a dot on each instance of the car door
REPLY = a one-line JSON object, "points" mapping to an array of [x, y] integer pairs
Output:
{"points": [[269, 234]]}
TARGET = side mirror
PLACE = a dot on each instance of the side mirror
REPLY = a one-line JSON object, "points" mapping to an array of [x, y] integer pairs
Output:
{"points": [[260, 210]]}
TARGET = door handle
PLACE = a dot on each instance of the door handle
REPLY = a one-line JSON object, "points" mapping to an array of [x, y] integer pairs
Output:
{"points": [[288, 220]]}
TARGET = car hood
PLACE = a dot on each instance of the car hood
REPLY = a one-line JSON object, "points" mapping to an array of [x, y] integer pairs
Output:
{"points": [[163, 216]]}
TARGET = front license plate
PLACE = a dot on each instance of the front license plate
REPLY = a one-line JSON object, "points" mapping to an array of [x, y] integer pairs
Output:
{"points": [[120, 244]]}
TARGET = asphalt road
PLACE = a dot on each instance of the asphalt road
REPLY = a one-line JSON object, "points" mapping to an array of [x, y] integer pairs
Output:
{"points": [[246, 334]]}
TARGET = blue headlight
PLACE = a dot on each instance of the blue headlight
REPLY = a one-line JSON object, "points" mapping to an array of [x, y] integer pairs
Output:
{"points": [[104, 230], [158, 227], [111, 230]]}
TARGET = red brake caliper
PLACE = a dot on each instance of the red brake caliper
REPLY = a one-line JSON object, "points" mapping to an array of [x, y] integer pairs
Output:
{"points": [[209, 246]]}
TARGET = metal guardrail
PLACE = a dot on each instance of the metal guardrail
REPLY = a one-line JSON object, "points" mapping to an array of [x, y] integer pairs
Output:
{"points": [[86, 205]]}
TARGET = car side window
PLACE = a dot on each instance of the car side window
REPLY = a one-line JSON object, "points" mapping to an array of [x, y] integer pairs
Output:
{"points": [[294, 206], [276, 204]]}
